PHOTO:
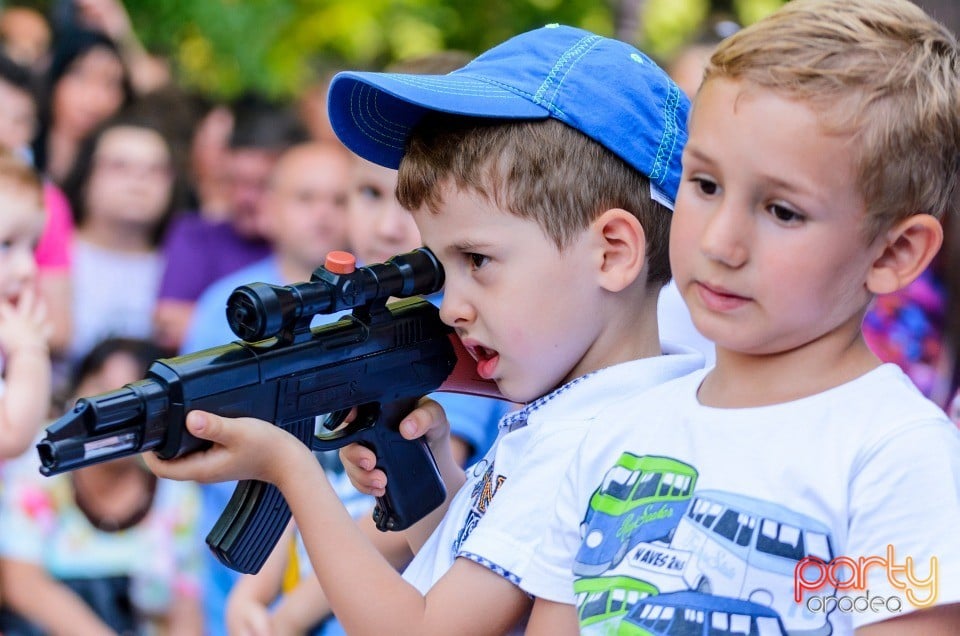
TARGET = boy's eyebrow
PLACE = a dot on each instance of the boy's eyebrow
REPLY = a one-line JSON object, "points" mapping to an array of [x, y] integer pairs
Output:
{"points": [[468, 246], [696, 153], [789, 186]]}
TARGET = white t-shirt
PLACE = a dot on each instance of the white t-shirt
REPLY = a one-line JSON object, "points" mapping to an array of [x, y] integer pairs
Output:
{"points": [[497, 517], [676, 512], [114, 294]]}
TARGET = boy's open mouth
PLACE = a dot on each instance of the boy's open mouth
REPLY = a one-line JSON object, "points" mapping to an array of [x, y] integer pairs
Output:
{"points": [[486, 359]]}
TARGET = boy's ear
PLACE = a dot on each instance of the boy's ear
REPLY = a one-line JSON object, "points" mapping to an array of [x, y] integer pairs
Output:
{"points": [[622, 248], [909, 247]]}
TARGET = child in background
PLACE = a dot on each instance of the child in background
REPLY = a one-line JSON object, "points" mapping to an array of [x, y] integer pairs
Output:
{"points": [[801, 485], [18, 122], [547, 203], [106, 549], [24, 330]]}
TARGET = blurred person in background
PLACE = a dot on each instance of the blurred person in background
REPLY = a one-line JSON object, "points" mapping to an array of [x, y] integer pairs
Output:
{"points": [[25, 385], [303, 217], [18, 121], [199, 251], [26, 37], [123, 191], [312, 109], [24, 330], [148, 72], [686, 66], [106, 549], [87, 83], [209, 154]]}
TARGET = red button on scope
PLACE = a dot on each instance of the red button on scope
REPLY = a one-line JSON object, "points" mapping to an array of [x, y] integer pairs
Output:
{"points": [[339, 262]]}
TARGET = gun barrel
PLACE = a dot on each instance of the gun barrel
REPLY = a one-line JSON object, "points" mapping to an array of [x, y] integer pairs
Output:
{"points": [[59, 456], [98, 429]]}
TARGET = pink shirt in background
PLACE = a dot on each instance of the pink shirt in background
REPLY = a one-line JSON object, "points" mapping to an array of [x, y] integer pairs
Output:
{"points": [[53, 250]]}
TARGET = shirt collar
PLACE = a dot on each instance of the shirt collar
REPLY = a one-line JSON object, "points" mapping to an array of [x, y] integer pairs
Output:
{"points": [[594, 390]]}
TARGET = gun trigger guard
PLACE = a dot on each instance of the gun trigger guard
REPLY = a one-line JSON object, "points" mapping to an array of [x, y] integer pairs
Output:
{"points": [[367, 416]]}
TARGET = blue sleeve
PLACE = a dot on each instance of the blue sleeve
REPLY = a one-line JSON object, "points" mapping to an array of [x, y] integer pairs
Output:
{"points": [[473, 419]]}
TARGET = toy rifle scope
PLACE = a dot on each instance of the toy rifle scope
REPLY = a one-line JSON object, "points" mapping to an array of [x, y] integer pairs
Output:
{"points": [[380, 359]]}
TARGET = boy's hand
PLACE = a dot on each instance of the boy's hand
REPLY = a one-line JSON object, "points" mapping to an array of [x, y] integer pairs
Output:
{"points": [[427, 419], [243, 448], [24, 326]]}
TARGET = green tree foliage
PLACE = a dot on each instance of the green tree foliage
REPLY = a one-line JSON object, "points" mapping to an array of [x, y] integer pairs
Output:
{"points": [[225, 46]]}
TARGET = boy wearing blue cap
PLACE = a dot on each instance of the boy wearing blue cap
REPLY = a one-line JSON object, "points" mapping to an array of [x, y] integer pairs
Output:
{"points": [[541, 175], [799, 486]]}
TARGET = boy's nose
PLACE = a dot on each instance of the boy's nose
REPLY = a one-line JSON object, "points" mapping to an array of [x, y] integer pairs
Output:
{"points": [[455, 310], [724, 237]]}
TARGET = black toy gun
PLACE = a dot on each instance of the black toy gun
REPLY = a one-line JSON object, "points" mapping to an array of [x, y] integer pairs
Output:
{"points": [[380, 359]]}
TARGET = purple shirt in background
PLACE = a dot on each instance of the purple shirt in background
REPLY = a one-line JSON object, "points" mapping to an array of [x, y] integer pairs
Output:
{"points": [[198, 252]]}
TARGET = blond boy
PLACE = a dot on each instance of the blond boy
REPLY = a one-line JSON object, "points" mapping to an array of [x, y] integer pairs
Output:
{"points": [[800, 486]]}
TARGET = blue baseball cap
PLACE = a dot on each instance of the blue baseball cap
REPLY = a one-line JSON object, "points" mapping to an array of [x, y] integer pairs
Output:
{"points": [[604, 88]]}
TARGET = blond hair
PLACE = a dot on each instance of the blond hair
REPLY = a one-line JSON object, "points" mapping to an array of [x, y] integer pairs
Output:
{"points": [[17, 174], [542, 170], [881, 71]]}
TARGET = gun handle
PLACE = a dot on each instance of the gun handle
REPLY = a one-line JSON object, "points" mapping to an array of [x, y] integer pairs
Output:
{"points": [[414, 485], [254, 519]]}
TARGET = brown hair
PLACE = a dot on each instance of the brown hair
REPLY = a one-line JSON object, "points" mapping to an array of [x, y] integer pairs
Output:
{"points": [[881, 71], [540, 169]]}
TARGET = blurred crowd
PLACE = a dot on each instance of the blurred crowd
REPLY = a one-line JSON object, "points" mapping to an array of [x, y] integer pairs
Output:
{"points": [[156, 203]]}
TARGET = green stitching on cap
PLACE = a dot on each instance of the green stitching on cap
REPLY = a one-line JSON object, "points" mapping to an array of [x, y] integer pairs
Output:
{"points": [[568, 59], [668, 140]]}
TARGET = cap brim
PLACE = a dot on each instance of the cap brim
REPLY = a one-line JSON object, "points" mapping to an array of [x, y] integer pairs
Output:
{"points": [[373, 113]]}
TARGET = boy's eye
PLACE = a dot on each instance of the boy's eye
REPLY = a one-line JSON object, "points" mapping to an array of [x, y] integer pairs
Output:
{"points": [[784, 214], [476, 260], [706, 186]]}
